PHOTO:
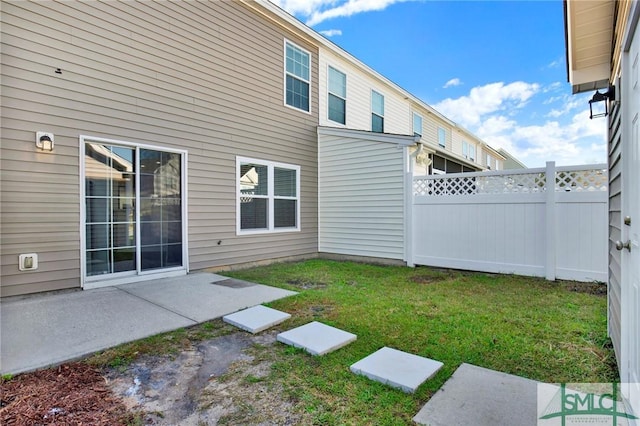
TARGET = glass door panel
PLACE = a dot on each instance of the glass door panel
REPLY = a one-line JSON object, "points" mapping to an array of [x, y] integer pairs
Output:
{"points": [[160, 209], [110, 209]]}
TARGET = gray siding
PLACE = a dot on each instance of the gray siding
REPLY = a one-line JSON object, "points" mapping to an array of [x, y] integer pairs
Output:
{"points": [[361, 197], [206, 77], [615, 223]]}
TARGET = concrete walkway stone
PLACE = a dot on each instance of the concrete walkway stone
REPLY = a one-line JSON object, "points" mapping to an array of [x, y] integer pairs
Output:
{"points": [[397, 369], [256, 319], [317, 338], [481, 397]]}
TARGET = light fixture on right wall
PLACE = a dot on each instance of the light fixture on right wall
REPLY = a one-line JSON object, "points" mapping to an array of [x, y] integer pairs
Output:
{"points": [[597, 99]]}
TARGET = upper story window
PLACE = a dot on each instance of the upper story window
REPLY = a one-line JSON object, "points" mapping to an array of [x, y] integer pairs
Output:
{"points": [[442, 137], [337, 96], [297, 76], [377, 112], [468, 151], [488, 161], [417, 125], [268, 196]]}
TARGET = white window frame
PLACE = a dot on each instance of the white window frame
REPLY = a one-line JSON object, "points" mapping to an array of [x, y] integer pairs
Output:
{"points": [[329, 92], [472, 152], [373, 112], [489, 161], [271, 229], [286, 73], [465, 149], [420, 133], [97, 281], [442, 131]]}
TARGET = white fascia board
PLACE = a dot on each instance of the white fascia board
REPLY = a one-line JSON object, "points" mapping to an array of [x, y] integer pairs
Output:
{"points": [[405, 140]]}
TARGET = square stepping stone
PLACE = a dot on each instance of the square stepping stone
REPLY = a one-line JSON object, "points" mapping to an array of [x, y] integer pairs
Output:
{"points": [[256, 319], [397, 369], [317, 338]]}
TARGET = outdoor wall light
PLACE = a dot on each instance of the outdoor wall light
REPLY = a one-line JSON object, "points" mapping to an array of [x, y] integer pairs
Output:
{"points": [[44, 141], [594, 103]]}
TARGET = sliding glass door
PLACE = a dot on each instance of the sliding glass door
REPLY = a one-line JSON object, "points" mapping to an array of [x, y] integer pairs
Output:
{"points": [[133, 210]]}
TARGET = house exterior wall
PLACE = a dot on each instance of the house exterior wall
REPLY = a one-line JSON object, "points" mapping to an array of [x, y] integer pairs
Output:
{"points": [[170, 74], [361, 196], [397, 113], [615, 232], [399, 109]]}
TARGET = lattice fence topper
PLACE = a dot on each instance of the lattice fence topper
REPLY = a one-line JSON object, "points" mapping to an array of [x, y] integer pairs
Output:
{"points": [[521, 183], [582, 180]]}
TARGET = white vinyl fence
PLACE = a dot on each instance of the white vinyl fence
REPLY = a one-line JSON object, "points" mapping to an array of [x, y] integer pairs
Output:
{"points": [[517, 222]]}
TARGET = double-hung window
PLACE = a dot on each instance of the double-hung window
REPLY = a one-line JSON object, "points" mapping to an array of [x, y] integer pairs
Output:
{"points": [[377, 112], [337, 98], [442, 137], [268, 196], [488, 161], [468, 151], [297, 77], [417, 125]]}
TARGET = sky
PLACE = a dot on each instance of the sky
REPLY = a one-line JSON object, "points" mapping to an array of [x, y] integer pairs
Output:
{"points": [[497, 68]]}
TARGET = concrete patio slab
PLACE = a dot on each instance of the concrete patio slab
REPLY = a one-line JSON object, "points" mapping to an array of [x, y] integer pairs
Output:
{"points": [[478, 396], [201, 295], [397, 369], [47, 329], [256, 319], [317, 338]]}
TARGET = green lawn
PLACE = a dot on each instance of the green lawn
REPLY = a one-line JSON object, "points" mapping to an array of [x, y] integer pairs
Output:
{"points": [[529, 327]]}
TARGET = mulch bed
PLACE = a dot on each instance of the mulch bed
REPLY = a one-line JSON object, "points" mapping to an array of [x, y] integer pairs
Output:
{"points": [[72, 394]]}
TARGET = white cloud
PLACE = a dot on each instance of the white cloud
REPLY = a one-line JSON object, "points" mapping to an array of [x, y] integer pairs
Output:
{"points": [[556, 63], [331, 33], [317, 11], [564, 134], [303, 7], [453, 82], [483, 100]]}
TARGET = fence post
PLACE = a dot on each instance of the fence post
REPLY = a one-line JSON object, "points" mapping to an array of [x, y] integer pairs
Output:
{"points": [[550, 221], [408, 209]]}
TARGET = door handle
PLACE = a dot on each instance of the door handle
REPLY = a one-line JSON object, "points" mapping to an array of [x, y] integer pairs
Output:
{"points": [[620, 245]]}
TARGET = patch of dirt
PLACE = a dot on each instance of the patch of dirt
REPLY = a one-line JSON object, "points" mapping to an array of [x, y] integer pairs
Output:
{"points": [[305, 284], [72, 394], [595, 288], [219, 381], [222, 381]]}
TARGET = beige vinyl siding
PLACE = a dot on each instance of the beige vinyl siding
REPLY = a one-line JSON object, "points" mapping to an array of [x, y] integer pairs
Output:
{"points": [[183, 75], [397, 112], [361, 196], [614, 289]]}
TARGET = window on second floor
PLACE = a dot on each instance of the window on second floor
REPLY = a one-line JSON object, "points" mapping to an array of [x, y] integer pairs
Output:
{"points": [[337, 98], [417, 125], [297, 77], [442, 137], [468, 151], [377, 112], [488, 161]]}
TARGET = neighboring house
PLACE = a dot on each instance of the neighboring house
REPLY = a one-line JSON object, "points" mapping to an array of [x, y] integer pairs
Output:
{"points": [[603, 52], [147, 139], [510, 162], [353, 96]]}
